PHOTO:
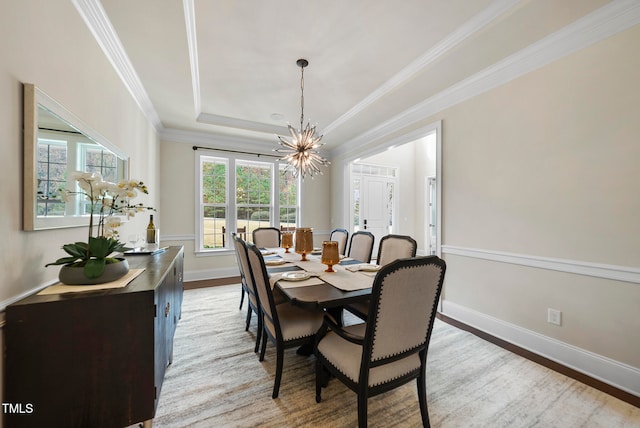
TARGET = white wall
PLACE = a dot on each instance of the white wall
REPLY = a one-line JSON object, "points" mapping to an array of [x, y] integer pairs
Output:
{"points": [[401, 158], [415, 161]]}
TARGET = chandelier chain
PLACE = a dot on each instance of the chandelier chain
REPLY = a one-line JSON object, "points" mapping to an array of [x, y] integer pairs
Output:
{"points": [[302, 97]]}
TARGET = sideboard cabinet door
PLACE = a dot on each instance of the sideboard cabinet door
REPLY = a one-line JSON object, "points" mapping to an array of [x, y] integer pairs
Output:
{"points": [[92, 358]]}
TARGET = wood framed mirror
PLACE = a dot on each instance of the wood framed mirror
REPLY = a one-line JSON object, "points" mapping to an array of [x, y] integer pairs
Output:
{"points": [[56, 142]]}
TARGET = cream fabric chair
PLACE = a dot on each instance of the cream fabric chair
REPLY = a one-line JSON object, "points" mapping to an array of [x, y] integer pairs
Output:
{"points": [[243, 281], [392, 247], [284, 324], [248, 285], [390, 349], [361, 246], [340, 235], [266, 237]]}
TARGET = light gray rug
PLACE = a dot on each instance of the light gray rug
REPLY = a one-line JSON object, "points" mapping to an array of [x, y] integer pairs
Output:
{"points": [[217, 381]]}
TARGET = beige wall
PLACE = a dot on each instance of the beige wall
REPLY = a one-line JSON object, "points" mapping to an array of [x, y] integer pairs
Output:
{"points": [[178, 181], [65, 62], [547, 166], [47, 44]]}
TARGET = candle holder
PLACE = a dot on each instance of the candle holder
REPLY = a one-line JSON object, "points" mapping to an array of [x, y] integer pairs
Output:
{"points": [[330, 254], [304, 242], [287, 241]]}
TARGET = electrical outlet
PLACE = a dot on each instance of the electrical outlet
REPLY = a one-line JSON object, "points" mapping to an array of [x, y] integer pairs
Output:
{"points": [[554, 316]]}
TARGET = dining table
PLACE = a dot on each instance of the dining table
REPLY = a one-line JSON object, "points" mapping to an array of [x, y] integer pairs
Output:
{"points": [[305, 282]]}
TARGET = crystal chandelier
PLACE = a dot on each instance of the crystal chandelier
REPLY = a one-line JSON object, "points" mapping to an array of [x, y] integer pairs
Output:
{"points": [[301, 151]]}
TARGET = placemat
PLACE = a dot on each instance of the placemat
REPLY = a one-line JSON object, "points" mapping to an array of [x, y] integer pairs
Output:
{"points": [[307, 282], [287, 268], [60, 288]]}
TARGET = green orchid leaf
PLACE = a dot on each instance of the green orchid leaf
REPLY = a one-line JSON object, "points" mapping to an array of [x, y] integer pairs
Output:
{"points": [[94, 268], [63, 261], [77, 250], [100, 247]]}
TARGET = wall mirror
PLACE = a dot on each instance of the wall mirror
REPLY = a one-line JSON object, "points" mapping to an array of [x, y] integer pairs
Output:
{"points": [[56, 142]]}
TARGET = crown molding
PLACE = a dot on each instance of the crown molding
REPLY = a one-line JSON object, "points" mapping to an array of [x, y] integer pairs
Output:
{"points": [[232, 122], [605, 22], [192, 42], [98, 23], [472, 26]]}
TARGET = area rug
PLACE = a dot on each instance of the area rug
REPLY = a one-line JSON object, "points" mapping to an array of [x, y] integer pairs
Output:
{"points": [[216, 380]]}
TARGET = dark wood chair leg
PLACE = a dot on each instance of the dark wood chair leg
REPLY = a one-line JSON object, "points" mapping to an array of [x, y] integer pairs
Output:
{"points": [[362, 409], [258, 333], [422, 397], [336, 313], [319, 380], [241, 297], [279, 364], [246, 327], [265, 338]]}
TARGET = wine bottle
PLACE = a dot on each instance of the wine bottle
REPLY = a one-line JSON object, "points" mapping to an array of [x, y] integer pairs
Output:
{"points": [[151, 231]]}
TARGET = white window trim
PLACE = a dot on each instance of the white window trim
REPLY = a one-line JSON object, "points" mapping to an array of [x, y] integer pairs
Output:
{"points": [[199, 249]]}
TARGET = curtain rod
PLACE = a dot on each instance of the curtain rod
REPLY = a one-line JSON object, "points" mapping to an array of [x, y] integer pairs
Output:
{"points": [[235, 151], [59, 130]]}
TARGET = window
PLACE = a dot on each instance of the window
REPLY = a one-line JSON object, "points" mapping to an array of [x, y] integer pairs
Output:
{"points": [[97, 159], [60, 153], [254, 206], [288, 198], [51, 173], [213, 196], [238, 194]]}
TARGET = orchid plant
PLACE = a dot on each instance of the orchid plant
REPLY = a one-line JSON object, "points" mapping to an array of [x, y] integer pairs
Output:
{"points": [[107, 201]]}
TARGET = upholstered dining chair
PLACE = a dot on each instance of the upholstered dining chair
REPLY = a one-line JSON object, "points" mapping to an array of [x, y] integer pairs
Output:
{"points": [[394, 247], [391, 247], [341, 236], [390, 349], [243, 281], [285, 325], [361, 246], [248, 286], [266, 237]]}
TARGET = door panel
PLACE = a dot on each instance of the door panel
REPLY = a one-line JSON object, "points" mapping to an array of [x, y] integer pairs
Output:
{"points": [[375, 207]]}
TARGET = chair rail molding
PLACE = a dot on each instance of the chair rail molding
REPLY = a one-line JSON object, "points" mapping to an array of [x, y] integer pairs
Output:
{"points": [[598, 270]]}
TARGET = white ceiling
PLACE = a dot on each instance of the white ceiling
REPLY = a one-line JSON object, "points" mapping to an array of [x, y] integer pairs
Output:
{"points": [[227, 66]]}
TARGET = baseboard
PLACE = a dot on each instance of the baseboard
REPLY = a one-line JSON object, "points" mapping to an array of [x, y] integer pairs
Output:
{"points": [[192, 285], [617, 375], [205, 274]]}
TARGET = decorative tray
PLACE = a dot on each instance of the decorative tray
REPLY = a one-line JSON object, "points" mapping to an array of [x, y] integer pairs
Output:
{"points": [[145, 251]]}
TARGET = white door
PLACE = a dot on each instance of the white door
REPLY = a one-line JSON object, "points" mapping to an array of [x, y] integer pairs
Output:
{"points": [[431, 209], [376, 207]]}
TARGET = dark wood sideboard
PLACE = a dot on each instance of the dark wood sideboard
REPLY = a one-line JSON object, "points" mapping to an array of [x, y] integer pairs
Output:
{"points": [[94, 359]]}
